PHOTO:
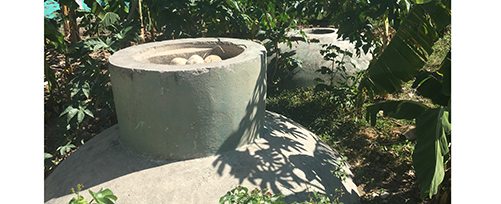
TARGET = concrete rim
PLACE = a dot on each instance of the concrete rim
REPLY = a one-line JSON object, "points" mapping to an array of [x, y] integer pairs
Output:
{"points": [[122, 59], [319, 31]]}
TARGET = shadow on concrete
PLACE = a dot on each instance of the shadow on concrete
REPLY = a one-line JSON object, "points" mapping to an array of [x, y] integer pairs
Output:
{"points": [[288, 158], [252, 123], [101, 159]]}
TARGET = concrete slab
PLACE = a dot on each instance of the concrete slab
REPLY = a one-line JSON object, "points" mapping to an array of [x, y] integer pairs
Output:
{"points": [[287, 159]]}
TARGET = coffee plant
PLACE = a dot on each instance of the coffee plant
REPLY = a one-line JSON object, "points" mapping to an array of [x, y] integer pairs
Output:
{"points": [[103, 196]]}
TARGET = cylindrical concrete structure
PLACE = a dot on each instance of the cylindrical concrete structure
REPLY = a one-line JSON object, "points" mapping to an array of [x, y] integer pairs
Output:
{"points": [[312, 60], [180, 112]]}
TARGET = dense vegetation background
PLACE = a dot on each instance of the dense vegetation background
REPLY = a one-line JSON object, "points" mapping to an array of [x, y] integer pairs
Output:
{"points": [[403, 158]]}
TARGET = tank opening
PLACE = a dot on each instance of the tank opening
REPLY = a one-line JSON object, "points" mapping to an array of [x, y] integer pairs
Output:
{"points": [[165, 54], [319, 31]]}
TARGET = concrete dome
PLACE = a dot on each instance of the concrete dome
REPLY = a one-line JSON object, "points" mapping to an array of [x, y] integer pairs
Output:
{"points": [[287, 159], [313, 60]]}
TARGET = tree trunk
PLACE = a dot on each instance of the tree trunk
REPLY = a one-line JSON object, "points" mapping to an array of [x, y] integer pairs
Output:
{"points": [[142, 22], [152, 25], [70, 24]]}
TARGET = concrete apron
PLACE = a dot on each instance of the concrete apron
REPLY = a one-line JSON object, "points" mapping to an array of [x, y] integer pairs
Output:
{"points": [[287, 159]]}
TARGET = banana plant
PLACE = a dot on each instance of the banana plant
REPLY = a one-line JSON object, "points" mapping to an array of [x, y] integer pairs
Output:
{"points": [[402, 61]]}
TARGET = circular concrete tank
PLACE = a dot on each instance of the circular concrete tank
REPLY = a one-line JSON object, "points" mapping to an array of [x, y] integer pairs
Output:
{"points": [[287, 159], [313, 60], [189, 111], [216, 112]]}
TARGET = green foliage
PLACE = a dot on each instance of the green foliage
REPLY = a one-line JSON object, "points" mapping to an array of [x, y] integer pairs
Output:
{"points": [[339, 171], [47, 161], [52, 36], [342, 85], [338, 69], [404, 60], [78, 200], [435, 85], [78, 84], [408, 51], [109, 19], [241, 195], [63, 150], [361, 22], [103, 196], [432, 128], [319, 198]]}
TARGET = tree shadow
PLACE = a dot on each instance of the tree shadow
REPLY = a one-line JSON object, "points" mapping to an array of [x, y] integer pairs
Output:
{"points": [[287, 159], [99, 160], [251, 125]]}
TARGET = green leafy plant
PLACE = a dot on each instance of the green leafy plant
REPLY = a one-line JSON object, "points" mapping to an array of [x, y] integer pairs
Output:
{"points": [[403, 60], [64, 149], [47, 161], [337, 70], [342, 85], [367, 24], [103, 196], [319, 198], [78, 88], [338, 171], [241, 195]]}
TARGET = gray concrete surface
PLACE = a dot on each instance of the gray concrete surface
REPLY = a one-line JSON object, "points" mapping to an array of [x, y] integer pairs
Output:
{"points": [[189, 111], [312, 60], [287, 159]]}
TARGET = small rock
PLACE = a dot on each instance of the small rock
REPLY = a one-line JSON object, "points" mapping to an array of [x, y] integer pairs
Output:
{"points": [[178, 61], [195, 59], [212, 58]]}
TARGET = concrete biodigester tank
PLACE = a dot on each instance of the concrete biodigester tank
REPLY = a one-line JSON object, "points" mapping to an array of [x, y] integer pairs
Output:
{"points": [[312, 60], [190, 133]]}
